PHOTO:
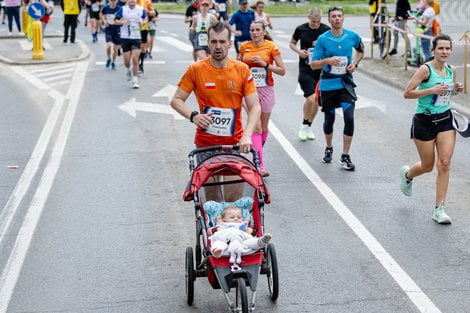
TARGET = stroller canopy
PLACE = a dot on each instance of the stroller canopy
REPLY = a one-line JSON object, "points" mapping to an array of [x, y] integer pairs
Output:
{"points": [[225, 165]]}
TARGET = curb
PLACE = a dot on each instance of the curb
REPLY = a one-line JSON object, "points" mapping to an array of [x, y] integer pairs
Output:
{"points": [[24, 36], [84, 55]]}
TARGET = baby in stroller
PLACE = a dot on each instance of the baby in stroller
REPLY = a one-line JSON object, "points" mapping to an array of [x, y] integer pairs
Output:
{"points": [[232, 236]]}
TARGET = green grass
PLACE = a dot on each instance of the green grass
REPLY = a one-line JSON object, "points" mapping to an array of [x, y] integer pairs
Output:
{"points": [[352, 7], [304, 9], [355, 7]]}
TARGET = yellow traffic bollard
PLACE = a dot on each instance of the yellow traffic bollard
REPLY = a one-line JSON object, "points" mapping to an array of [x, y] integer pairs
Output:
{"points": [[24, 20], [38, 52]]}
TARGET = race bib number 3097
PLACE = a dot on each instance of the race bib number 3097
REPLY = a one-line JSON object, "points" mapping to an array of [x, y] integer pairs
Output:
{"points": [[223, 121]]}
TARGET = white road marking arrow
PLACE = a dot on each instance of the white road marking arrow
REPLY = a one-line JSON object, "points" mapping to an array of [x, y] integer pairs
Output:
{"points": [[131, 106], [365, 102], [167, 91]]}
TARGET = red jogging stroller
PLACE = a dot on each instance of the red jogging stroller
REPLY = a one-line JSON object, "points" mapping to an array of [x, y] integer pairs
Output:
{"points": [[201, 263]]}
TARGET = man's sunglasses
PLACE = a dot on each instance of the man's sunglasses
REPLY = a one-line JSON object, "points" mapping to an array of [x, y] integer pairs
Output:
{"points": [[335, 9]]}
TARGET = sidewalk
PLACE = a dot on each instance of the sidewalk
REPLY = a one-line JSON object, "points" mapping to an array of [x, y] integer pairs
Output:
{"points": [[17, 50], [394, 74]]}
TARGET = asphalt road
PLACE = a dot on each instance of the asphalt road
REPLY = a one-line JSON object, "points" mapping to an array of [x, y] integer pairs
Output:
{"points": [[101, 226]]}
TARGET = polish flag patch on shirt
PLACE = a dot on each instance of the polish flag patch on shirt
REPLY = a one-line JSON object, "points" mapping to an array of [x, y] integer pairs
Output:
{"points": [[210, 85], [250, 78]]}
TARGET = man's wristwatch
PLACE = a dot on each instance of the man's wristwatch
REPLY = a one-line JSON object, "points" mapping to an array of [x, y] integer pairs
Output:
{"points": [[193, 114], [357, 65]]}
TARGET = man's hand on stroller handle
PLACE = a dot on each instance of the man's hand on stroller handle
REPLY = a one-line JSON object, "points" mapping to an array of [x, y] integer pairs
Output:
{"points": [[245, 143]]}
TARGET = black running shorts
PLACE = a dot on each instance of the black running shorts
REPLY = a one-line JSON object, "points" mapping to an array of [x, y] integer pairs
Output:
{"points": [[425, 127], [308, 81], [144, 35], [130, 44]]}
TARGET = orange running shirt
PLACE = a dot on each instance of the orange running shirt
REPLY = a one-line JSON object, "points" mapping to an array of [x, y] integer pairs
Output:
{"points": [[220, 91], [267, 51]]}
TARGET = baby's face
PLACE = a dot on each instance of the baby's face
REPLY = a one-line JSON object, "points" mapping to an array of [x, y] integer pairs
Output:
{"points": [[233, 216]]}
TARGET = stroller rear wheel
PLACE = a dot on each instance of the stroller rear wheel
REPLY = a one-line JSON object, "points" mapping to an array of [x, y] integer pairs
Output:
{"points": [[189, 275], [241, 298], [272, 273]]}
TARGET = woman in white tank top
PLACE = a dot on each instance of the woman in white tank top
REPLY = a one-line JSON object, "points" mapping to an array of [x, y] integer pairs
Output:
{"points": [[200, 24], [260, 15]]}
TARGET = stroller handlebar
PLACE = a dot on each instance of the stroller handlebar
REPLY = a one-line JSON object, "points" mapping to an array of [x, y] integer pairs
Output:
{"points": [[223, 148]]}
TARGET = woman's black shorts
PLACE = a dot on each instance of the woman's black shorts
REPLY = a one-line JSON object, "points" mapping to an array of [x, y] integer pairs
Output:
{"points": [[425, 127], [144, 35]]}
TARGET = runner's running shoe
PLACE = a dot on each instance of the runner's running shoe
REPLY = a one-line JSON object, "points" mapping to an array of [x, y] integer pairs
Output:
{"points": [[128, 74], [113, 66], [310, 134], [405, 183], [348, 165], [135, 85], [108, 63], [303, 132], [440, 215], [328, 155]]}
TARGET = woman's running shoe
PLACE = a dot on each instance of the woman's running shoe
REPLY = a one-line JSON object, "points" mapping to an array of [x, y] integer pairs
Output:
{"points": [[263, 172], [328, 156], [405, 183], [348, 165], [440, 215]]}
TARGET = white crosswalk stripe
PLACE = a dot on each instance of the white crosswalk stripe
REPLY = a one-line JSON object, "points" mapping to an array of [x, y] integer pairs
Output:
{"points": [[54, 74], [53, 68], [68, 70], [176, 43], [56, 78]]}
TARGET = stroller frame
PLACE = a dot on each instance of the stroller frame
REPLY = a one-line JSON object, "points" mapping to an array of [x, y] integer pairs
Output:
{"points": [[218, 270]]}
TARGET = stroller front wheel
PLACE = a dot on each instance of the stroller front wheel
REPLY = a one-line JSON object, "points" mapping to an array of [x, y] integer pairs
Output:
{"points": [[272, 272], [189, 275], [241, 298]]}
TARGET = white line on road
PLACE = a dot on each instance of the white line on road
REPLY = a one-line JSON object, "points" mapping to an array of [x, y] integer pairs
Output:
{"points": [[68, 70], [412, 290], [175, 43], [64, 82], [52, 68], [58, 77], [15, 262], [32, 166], [39, 84]]}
